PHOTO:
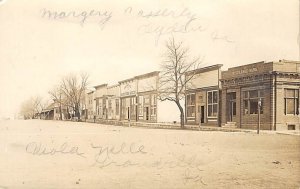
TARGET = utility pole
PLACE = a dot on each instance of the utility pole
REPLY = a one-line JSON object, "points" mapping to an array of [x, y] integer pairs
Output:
{"points": [[259, 106]]}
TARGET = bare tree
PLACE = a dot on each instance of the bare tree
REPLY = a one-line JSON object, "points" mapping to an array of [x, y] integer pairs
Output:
{"points": [[73, 87], [37, 105], [57, 95], [174, 78], [27, 109], [32, 107]]}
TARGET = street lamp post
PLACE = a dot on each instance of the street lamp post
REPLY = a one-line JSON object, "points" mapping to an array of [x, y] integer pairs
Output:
{"points": [[199, 119], [259, 107]]}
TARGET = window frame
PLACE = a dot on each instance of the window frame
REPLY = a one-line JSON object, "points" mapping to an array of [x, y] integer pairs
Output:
{"points": [[295, 99], [212, 103], [190, 104], [117, 106], [248, 98]]}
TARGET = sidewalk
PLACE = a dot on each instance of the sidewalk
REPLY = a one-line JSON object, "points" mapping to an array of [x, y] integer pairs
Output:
{"points": [[188, 127], [224, 129], [289, 132]]}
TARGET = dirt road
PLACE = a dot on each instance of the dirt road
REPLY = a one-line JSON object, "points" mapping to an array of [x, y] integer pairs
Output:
{"points": [[53, 154]]}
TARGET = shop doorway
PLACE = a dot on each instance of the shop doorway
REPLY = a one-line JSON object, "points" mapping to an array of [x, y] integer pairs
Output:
{"points": [[147, 113], [202, 114], [128, 113], [231, 109]]}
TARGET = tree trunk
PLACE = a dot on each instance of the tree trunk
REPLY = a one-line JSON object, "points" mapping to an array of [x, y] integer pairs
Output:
{"points": [[60, 112], [181, 114], [77, 113], [60, 109], [68, 113]]}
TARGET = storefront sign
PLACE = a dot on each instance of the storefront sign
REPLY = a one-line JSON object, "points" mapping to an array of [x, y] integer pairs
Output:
{"points": [[244, 71], [128, 93], [128, 89]]}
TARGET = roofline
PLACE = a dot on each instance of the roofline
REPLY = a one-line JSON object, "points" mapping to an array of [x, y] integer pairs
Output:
{"points": [[140, 76], [126, 80], [147, 74], [263, 62], [205, 69], [102, 85], [240, 66], [111, 86], [291, 61]]}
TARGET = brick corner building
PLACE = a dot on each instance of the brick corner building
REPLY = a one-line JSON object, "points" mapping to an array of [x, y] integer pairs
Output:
{"points": [[275, 84]]}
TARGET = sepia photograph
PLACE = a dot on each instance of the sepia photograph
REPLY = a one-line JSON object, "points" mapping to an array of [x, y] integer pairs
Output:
{"points": [[162, 94]]}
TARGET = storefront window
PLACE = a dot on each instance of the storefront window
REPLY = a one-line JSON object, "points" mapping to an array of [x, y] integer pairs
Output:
{"points": [[117, 106], [212, 103], [153, 105], [291, 101], [153, 111], [132, 107], [253, 106], [141, 99], [124, 108], [191, 111], [246, 107], [109, 107], [251, 99], [190, 101]]}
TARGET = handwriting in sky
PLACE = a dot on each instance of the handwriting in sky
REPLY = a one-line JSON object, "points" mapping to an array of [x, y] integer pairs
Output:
{"points": [[100, 17], [158, 22]]}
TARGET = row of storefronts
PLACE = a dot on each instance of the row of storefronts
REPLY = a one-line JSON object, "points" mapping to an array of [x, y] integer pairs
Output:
{"points": [[213, 97], [133, 99]]}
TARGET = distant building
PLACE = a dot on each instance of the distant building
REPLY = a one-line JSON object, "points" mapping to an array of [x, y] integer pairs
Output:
{"points": [[202, 96], [139, 100], [100, 101], [113, 102], [147, 102], [275, 84], [52, 112], [134, 99], [128, 95], [106, 104], [90, 105]]}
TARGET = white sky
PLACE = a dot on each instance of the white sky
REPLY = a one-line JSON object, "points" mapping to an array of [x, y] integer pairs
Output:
{"points": [[36, 51]]}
